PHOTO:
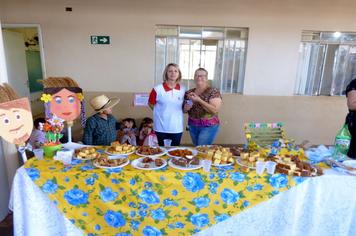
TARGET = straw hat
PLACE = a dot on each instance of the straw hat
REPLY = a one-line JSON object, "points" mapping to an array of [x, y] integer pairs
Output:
{"points": [[102, 102]]}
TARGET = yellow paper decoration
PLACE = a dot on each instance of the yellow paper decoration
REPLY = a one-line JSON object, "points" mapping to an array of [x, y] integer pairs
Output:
{"points": [[80, 96], [46, 97]]}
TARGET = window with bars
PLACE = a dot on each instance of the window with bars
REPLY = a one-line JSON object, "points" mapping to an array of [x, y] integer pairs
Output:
{"points": [[220, 50], [327, 63]]}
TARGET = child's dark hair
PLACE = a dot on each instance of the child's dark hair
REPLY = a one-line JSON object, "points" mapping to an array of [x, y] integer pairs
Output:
{"points": [[36, 122], [146, 120], [130, 120]]}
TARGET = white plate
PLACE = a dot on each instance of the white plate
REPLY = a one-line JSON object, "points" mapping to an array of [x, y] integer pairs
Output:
{"points": [[222, 165], [118, 154], [195, 152], [192, 167], [84, 159], [111, 167], [138, 162], [238, 161], [208, 146], [156, 155]]}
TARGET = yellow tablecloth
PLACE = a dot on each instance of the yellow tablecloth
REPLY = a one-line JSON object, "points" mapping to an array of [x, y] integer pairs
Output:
{"points": [[127, 201]]}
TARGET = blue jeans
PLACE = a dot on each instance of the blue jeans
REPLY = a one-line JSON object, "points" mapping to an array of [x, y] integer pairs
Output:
{"points": [[203, 135]]}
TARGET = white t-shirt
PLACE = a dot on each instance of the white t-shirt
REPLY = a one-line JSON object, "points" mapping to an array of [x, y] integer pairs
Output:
{"points": [[168, 108]]}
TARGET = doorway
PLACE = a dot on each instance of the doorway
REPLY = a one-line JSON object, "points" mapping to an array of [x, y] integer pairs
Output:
{"points": [[25, 61]]}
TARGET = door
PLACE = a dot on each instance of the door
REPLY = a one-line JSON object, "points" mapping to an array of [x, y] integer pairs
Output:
{"points": [[15, 56], [4, 184]]}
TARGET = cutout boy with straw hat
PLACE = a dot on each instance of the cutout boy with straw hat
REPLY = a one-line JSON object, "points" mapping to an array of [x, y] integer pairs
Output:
{"points": [[15, 118], [101, 128]]}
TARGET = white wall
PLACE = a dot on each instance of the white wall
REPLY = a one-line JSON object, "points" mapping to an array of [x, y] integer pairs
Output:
{"points": [[275, 31], [127, 65]]}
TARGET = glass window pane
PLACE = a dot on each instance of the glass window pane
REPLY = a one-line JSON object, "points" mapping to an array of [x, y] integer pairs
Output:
{"points": [[217, 82], [331, 37], [190, 32], [167, 31], [236, 33], [160, 57], [172, 50], [348, 37], [310, 68], [326, 63], [239, 70], [344, 69], [315, 69], [228, 66], [221, 51], [244, 34], [310, 36], [214, 33], [208, 56], [189, 57], [328, 67]]}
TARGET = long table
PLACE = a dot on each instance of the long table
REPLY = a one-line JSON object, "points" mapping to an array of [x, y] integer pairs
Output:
{"points": [[51, 199]]}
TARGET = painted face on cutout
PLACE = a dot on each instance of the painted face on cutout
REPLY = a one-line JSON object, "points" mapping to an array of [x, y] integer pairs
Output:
{"points": [[66, 105], [16, 121]]}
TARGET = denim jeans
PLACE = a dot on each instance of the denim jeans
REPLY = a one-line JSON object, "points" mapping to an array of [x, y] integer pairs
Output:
{"points": [[203, 135]]}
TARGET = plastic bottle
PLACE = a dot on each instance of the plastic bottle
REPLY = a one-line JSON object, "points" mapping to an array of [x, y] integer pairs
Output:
{"points": [[342, 143]]}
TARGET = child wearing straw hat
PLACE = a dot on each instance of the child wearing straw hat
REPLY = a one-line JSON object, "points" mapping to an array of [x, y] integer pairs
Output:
{"points": [[101, 128]]}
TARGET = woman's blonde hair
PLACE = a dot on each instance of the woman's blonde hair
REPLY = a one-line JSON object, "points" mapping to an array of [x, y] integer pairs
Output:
{"points": [[201, 69], [165, 72]]}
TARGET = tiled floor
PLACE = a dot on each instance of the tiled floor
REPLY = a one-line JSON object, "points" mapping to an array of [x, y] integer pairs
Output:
{"points": [[6, 226]]}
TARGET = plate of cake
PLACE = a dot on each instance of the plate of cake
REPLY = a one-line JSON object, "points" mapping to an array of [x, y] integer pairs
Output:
{"points": [[107, 162], [292, 165], [149, 163], [120, 149], [248, 159], [151, 151], [181, 152], [188, 162], [219, 156], [86, 153]]}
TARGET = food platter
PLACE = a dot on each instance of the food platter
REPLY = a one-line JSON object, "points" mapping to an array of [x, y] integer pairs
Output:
{"points": [[149, 163]]}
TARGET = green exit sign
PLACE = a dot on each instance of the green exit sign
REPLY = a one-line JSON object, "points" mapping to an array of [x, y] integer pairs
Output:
{"points": [[99, 39]]}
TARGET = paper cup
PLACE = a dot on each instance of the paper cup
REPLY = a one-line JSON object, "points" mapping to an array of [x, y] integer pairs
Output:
{"points": [[206, 165], [66, 159], [167, 142], [271, 167], [260, 167], [38, 153]]}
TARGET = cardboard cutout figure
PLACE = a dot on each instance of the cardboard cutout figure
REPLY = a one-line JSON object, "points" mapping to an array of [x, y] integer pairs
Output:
{"points": [[16, 121], [65, 105], [63, 98]]}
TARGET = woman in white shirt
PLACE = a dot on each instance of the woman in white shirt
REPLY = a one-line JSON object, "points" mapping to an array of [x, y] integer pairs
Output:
{"points": [[166, 101]]}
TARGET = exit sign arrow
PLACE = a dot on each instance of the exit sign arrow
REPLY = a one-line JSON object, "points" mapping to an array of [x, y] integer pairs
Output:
{"points": [[103, 40], [94, 39]]}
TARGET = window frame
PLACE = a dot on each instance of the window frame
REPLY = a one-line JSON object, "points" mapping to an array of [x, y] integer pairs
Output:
{"points": [[238, 77]]}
